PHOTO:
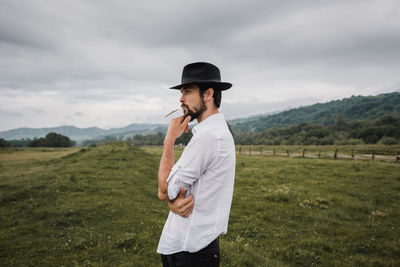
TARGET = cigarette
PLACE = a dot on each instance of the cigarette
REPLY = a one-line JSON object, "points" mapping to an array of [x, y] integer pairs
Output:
{"points": [[171, 113]]}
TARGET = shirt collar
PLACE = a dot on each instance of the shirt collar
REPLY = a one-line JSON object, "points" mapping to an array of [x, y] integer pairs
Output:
{"points": [[210, 120]]}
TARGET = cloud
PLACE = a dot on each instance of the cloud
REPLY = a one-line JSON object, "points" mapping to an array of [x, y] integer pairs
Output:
{"points": [[102, 59]]}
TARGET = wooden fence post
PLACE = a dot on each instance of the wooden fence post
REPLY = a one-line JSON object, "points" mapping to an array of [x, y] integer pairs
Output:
{"points": [[398, 157], [335, 156], [352, 154], [260, 150], [287, 152], [304, 152], [249, 151], [240, 150], [319, 154], [373, 156], [273, 152]]}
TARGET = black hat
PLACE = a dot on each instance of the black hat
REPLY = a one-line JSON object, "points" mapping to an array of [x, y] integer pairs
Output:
{"points": [[202, 73]]}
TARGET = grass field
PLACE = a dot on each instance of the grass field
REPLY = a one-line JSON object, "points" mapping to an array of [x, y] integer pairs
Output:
{"points": [[98, 206]]}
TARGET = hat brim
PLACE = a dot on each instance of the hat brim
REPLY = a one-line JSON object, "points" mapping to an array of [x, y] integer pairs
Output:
{"points": [[215, 85]]}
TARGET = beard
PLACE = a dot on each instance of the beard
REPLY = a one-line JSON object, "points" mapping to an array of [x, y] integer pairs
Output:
{"points": [[195, 112]]}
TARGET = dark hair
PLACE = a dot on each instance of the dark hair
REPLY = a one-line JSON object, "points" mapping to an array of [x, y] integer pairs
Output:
{"points": [[217, 93]]}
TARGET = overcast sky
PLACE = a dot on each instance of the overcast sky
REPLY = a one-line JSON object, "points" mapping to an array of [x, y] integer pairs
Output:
{"points": [[110, 63]]}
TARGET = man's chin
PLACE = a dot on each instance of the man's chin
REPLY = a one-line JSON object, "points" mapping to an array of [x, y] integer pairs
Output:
{"points": [[192, 116]]}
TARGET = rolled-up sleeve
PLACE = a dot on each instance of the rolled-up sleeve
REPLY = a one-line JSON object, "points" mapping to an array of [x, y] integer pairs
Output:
{"points": [[174, 184], [192, 164]]}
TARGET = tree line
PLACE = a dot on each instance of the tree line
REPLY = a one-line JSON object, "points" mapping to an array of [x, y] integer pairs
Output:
{"points": [[383, 130], [353, 108], [50, 140], [157, 139]]}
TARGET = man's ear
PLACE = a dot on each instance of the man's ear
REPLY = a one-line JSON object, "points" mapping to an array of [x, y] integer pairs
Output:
{"points": [[208, 94]]}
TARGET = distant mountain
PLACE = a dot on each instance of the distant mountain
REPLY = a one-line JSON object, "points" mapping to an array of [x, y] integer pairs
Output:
{"points": [[353, 108], [252, 117], [80, 134]]}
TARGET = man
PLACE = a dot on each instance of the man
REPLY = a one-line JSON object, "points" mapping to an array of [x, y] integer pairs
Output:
{"points": [[204, 173]]}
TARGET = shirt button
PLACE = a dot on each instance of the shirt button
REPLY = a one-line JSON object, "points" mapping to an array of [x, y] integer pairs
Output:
{"points": [[215, 256]]}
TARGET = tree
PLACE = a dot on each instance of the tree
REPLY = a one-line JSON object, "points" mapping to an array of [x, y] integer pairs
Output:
{"points": [[4, 143], [230, 129], [51, 140], [387, 140], [19, 143], [184, 138]]}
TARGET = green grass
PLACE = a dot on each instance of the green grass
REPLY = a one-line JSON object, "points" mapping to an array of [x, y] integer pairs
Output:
{"points": [[316, 212], [94, 207], [98, 206]]}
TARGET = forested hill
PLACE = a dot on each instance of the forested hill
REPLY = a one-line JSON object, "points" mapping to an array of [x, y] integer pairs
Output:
{"points": [[353, 108]]}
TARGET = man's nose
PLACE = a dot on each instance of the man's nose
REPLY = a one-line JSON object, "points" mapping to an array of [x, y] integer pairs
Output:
{"points": [[182, 100]]}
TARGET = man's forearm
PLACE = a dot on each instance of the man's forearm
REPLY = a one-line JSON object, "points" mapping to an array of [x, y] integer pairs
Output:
{"points": [[175, 129], [166, 164]]}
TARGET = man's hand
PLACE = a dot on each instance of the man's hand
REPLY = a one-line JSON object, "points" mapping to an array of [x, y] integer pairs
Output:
{"points": [[181, 205], [177, 126]]}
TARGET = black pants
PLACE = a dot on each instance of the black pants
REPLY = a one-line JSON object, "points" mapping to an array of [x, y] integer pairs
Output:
{"points": [[207, 257]]}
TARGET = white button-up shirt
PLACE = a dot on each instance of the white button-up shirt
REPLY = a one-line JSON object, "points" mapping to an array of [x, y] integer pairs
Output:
{"points": [[207, 170]]}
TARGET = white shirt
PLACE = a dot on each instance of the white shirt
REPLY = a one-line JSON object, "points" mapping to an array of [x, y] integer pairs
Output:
{"points": [[207, 169]]}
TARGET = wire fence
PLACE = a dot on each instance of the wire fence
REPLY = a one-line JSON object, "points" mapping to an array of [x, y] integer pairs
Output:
{"points": [[318, 153]]}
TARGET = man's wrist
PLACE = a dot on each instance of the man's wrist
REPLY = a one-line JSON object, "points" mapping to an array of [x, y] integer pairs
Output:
{"points": [[168, 141]]}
